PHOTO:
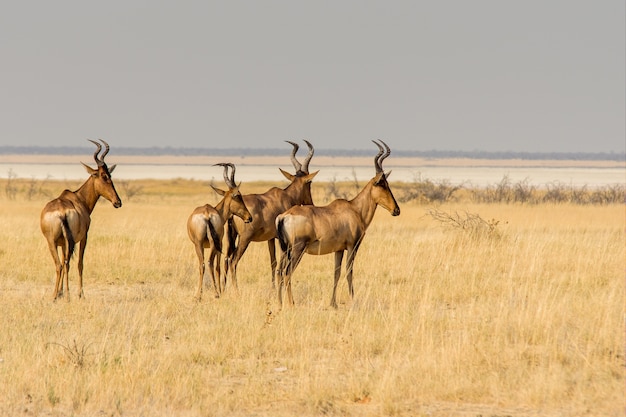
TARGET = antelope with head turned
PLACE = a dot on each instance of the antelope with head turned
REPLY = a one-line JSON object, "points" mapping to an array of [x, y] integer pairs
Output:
{"points": [[205, 228], [337, 227], [264, 208], [65, 220]]}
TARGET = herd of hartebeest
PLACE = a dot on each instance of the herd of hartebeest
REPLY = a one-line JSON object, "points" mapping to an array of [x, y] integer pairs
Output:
{"points": [[287, 214]]}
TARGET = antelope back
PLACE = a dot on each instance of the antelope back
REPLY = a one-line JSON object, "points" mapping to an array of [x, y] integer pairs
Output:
{"points": [[382, 195]]}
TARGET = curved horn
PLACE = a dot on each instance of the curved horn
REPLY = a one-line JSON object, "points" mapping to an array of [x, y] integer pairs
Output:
{"points": [[106, 150], [230, 181], [95, 155], [305, 164], [387, 153], [222, 164], [232, 175], [297, 165], [377, 159]]}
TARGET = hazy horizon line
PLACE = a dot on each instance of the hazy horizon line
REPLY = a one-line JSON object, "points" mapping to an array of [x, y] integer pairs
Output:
{"points": [[270, 151]]}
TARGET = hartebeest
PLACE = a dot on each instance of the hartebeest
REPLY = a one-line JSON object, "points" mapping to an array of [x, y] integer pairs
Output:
{"points": [[264, 208], [205, 227], [340, 226], [65, 220]]}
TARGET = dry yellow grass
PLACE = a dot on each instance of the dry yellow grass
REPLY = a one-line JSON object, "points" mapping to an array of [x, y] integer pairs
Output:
{"points": [[527, 321]]}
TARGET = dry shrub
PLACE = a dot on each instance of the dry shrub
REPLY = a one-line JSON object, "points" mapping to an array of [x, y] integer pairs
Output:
{"points": [[555, 192], [471, 224], [428, 191], [506, 192]]}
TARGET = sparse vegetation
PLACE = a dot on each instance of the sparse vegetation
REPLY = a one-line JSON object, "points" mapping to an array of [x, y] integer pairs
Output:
{"points": [[553, 193], [345, 190], [75, 354], [10, 189], [469, 223], [526, 319], [428, 191], [130, 188]]}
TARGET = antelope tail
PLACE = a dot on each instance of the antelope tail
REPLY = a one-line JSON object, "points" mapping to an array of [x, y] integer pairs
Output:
{"points": [[69, 238], [280, 234], [232, 238], [217, 241]]}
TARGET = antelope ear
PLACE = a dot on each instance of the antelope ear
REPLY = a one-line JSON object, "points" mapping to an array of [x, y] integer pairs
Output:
{"points": [[112, 168], [217, 190], [287, 175], [89, 169], [235, 191], [310, 177]]}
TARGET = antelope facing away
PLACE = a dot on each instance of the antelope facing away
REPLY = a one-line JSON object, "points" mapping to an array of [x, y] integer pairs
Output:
{"points": [[340, 226], [65, 220], [205, 227], [264, 208]]}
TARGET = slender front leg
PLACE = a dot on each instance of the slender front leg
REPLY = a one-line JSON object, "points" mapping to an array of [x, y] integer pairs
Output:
{"points": [[231, 239], [243, 245], [338, 260]]}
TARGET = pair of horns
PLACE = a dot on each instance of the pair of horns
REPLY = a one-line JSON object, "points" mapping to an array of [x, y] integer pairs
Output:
{"points": [[301, 167], [100, 160], [382, 154], [229, 180]]}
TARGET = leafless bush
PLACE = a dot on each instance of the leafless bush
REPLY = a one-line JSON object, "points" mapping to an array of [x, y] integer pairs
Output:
{"points": [[428, 191], [560, 193], [130, 188], [470, 223], [506, 192], [523, 192], [502, 192], [611, 194], [334, 190], [579, 195], [36, 188], [11, 188], [554, 193], [557, 193], [75, 354]]}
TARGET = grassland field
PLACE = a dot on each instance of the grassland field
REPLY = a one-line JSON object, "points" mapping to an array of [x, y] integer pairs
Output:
{"points": [[524, 318]]}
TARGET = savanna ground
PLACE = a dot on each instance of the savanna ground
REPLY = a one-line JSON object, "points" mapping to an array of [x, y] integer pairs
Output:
{"points": [[463, 307]]}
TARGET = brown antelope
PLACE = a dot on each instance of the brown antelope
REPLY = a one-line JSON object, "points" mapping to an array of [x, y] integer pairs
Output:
{"points": [[340, 226], [205, 227], [65, 220], [264, 208]]}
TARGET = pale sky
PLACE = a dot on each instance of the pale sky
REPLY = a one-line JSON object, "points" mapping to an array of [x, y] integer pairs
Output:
{"points": [[489, 75]]}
